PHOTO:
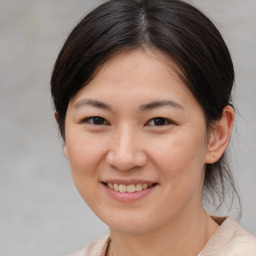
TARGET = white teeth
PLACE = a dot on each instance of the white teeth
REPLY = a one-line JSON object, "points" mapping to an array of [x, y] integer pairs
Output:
{"points": [[122, 188], [131, 188], [128, 188], [116, 187], [138, 187], [110, 185]]}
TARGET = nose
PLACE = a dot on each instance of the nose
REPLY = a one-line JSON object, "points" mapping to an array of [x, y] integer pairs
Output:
{"points": [[125, 151]]}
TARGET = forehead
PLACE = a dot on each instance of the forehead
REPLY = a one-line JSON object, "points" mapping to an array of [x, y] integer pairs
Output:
{"points": [[138, 69]]}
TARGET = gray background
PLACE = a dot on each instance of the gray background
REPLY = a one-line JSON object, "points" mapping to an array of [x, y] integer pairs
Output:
{"points": [[41, 212]]}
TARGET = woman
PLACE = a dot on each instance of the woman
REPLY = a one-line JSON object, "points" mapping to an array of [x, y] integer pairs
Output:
{"points": [[142, 91]]}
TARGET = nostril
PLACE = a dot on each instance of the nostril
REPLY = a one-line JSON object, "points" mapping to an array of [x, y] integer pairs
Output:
{"points": [[126, 160]]}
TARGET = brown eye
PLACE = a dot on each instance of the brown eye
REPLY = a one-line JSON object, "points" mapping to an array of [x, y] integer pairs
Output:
{"points": [[159, 121], [96, 120]]}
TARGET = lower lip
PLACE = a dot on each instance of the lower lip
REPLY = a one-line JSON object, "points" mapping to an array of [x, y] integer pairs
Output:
{"points": [[128, 197]]}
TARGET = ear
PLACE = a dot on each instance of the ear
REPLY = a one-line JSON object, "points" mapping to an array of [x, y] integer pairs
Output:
{"points": [[65, 150], [219, 135], [56, 116]]}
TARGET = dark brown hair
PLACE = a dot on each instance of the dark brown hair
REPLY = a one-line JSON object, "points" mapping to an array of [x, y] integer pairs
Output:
{"points": [[174, 27]]}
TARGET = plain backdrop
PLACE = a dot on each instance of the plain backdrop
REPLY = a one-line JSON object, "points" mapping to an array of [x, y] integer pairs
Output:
{"points": [[41, 213]]}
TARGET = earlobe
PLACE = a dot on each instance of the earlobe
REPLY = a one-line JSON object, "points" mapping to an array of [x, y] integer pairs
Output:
{"points": [[65, 150], [56, 116], [220, 135]]}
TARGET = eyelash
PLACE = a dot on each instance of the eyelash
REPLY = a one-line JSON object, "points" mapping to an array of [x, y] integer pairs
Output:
{"points": [[92, 119], [97, 120], [160, 120]]}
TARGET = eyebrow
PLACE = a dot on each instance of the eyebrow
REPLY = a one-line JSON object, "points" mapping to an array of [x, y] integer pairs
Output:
{"points": [[159, 104], [93, 103], [145, 107]]}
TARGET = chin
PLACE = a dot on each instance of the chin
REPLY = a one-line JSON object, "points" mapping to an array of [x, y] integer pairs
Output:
{"points": [[129, 223]]}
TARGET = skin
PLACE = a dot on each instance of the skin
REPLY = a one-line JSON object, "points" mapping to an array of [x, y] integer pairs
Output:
{"points": [[127, 144]]}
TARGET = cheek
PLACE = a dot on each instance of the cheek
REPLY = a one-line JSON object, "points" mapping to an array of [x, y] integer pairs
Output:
{"points": [[181, 164], [85, 157], [83, 150], [83, 160], [179, 156]]}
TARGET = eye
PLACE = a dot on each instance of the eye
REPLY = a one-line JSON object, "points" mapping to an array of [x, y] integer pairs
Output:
{"points": [[96, 120], [159, 121]]}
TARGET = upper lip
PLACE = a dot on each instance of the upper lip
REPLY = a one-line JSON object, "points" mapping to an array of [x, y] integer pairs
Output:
{"points": [[128, 181]]}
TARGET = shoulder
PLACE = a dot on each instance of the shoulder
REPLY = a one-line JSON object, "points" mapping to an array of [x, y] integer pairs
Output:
{"points": [[95, 248], [242, 242], [230, 239]]}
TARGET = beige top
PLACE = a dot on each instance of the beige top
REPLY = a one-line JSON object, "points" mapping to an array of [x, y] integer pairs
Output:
{"points": [[230, 239]]}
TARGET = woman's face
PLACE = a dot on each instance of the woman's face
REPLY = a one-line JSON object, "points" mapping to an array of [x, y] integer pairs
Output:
{"points": [[136, 140]]}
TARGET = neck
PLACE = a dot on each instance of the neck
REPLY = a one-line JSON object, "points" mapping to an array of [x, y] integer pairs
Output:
{"points": [[192, 231]]}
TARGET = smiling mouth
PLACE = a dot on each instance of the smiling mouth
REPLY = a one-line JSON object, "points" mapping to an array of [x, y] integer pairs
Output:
{"points": [[131, 188]]}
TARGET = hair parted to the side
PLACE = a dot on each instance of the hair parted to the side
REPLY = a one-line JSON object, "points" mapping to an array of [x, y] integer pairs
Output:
{"points": [[181, 32]]}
